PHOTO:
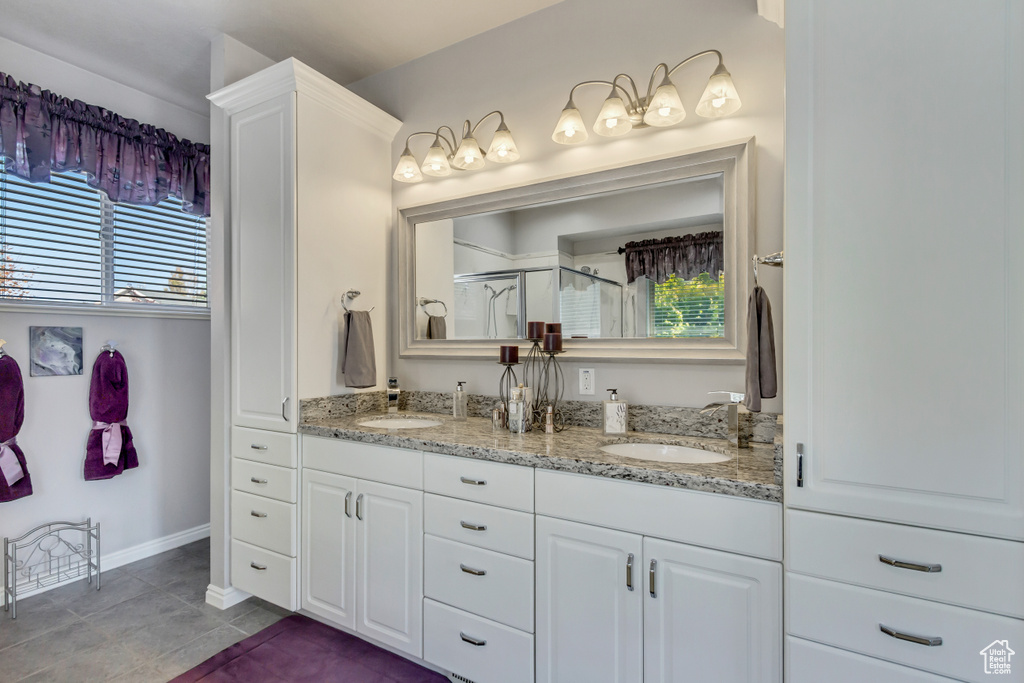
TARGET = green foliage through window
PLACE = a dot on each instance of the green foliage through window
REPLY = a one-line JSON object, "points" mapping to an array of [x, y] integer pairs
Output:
{"points": [[687, 308]]}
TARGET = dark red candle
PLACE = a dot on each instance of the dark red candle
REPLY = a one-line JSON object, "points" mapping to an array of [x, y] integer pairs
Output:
{"points": [[534, 331], [553, 341], [509, 354], [553, 327]]}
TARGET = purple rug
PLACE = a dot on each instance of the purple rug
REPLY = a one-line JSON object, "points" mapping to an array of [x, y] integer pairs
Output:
{"points": [[298, 648]]}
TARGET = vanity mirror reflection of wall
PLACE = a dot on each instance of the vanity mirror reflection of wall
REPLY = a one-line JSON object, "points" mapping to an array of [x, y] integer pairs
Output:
{"points": [[637, 263]]}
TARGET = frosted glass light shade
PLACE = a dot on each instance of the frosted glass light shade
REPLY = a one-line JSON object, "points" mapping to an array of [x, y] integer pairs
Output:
{"points": [[665, 108], [407, 170], [503, 148], [613, 120], [436, 161], [570, 129], [720, 97], [468, 156]]}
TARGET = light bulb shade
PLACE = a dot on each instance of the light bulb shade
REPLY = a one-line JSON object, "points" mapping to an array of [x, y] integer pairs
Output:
{"points": [[468, 156], [503, 148], [720, 97], [436, 161], [570, 129], [407, 170], [665, 108], [613, 120]]}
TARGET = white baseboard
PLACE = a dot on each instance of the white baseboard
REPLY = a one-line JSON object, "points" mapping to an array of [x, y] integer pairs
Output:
{"points": [[222, 598]]}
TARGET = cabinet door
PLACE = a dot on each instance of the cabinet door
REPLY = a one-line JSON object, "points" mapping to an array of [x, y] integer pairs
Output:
{"points": [[263, 265], [589, 617], [389, 590], [710, 616], [904, 290], [329, 546]]}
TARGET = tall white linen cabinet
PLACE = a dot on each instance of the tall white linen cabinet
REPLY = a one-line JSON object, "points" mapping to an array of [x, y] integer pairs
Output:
{"points": [[904, 328], [310, 207]]}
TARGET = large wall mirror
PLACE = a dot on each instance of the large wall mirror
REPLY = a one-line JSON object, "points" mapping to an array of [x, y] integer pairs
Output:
{"points": [[645, 262]]}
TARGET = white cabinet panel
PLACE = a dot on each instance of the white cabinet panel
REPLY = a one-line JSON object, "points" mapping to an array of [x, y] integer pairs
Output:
{"points": [[264, 573], [269, 481], [268, 447], [329, 546], [492, 483], [477, 649], [485, 526], [811, 663], [398, 466], [265, 522]]}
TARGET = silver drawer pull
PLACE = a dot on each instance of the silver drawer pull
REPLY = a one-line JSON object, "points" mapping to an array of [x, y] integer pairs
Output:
{"points": [[473, 527], [258, 567], [470, 570], [654, 564], [471, 640], [257, 447], [473, 482], [629, 572], [257, 481], [348, 497], [927, 568], [930, 641], [359, 507], [258, 514]]}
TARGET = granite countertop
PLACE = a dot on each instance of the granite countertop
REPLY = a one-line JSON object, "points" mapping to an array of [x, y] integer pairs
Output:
{"points": [[751, 472]]}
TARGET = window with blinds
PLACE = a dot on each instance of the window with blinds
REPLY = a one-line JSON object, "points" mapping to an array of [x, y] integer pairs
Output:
{"points": [[64, 242], [687, 308]]}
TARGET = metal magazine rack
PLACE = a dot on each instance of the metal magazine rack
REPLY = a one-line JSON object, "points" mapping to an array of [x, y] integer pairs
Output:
{"points": [[50, 554]]}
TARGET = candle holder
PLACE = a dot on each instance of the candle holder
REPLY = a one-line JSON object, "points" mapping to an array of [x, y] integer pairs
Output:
{"points": [[533, 376], [505, 384], [553, 387]]}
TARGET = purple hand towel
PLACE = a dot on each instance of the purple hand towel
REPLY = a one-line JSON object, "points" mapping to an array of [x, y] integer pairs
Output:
{"points": [[110, 450], [15, 481]]}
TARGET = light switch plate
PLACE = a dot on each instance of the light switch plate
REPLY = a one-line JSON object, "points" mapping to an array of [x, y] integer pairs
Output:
{"points": [[586, 381]]}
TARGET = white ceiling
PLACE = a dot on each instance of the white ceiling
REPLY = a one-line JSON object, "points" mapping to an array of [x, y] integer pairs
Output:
{"points": [[162, 47]]}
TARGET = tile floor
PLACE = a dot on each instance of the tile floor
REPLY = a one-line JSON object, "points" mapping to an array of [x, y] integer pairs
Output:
{"points": [[148, 623]]}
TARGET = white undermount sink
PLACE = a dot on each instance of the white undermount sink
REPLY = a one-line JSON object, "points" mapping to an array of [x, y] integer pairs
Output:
{"points": [[400, 423], [663, 452]]}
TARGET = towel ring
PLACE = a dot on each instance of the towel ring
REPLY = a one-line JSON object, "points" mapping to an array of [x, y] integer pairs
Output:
{"points": [[352, 294], [426, 302]]}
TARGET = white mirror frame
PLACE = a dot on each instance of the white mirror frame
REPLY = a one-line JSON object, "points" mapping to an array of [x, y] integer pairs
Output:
{"points": [[734, 160]]}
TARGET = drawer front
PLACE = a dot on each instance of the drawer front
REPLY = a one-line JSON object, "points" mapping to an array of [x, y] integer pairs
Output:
{"points": [[500, 655], [263, 522], [982, 573], [493, 483], [269, 481], [265, 574], [809, 662], [271, 448], [850, 617], [484, 526], [486, 583], [397, 466]]}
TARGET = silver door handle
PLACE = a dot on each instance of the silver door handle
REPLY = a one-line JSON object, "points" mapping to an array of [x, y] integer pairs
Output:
{"points": [[629, 572], [257, 481], [927, 568], [470, 570], [258, 567], [473, 482], [258, 514], [930, 641], [359, 507], [257, 447], [471, 640], [283, 404], [473, 527], [348, 497], [654, 564]]}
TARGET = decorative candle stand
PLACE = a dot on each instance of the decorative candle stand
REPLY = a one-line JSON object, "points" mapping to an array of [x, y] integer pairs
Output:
{"points": [[553, 387], [505, 385], [533, 374]]}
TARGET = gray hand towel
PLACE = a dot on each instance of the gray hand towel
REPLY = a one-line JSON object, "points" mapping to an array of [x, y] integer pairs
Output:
{"points": [[436, 327], [762, 381], [359, 365]]}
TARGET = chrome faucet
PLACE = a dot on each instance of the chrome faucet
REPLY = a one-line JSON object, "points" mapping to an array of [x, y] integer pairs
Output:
{"points": [[732, 405], [393, 392]]}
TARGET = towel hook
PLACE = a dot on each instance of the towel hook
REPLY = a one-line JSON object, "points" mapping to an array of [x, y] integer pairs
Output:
{"points": [[3, 351], [775, 259], [348, 296], [426, 302], [110, 346]]}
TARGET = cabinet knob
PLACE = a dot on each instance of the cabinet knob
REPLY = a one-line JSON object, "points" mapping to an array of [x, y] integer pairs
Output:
{"points": [[473, 527], [258, 514], [470, 570], [473, 482], [471, 640], [917, 567], [930, 641], [257, 481], [258, 567], [257, 447]]}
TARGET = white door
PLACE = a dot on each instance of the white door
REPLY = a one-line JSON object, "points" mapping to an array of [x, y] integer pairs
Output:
{"points": [[329, 546], [904, 285], [710, 616], [263, 265], [590, 586], [389, 586]]}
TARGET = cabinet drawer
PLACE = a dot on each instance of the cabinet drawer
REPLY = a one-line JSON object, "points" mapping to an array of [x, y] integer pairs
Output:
{"points": [[263, 522], [483, 582], [485, 526], [475, 648], [493, 483], [270, 481], [981, 573], [850, 617], [398, 466], [809, 662], [263, 573], [272, 448]]}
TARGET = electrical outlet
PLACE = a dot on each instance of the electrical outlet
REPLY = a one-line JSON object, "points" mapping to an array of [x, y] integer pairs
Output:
{"points": [[586, 381]]}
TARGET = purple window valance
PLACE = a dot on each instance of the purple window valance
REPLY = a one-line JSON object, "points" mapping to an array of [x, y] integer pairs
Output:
{"points": [[685, 257], [135, 163]]}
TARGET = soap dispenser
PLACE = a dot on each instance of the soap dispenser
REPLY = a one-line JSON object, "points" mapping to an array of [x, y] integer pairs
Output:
{"points": [[460, 403], [615, 416]]}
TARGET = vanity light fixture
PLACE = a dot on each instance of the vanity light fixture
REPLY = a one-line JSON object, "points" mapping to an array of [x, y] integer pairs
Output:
{"points": [[464, 154], [624, 109]]}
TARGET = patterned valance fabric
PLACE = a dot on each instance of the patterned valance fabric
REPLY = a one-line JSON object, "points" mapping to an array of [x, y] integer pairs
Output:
{"points": [[43, 133], [685, 257]]}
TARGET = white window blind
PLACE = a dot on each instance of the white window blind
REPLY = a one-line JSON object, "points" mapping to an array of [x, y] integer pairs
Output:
{"points": [[687, 308], [64, 242]]}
